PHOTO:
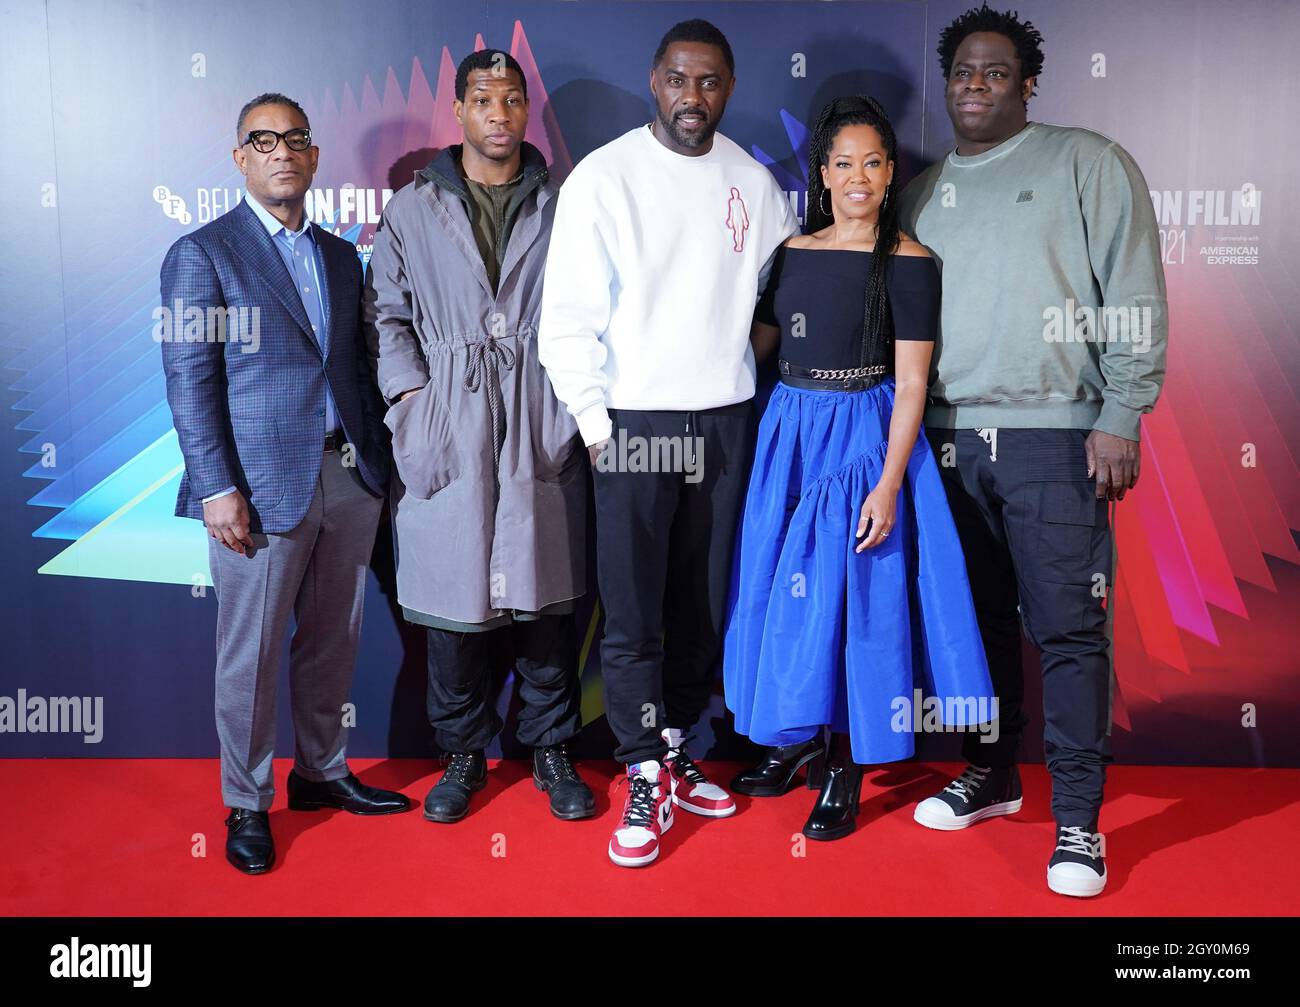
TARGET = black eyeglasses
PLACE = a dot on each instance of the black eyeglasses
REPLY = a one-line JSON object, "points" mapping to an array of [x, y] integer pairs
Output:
{"points": [[266, 140]]}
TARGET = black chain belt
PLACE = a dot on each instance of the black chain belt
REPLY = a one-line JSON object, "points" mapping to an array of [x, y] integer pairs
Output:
{"points": [[842, 379]]}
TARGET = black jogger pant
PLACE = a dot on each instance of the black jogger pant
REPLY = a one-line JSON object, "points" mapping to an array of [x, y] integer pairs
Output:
{"points": [[663, 562], [1035, 536]]}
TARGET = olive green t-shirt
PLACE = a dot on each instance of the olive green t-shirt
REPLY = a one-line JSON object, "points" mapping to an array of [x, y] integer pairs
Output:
{"points": [[489, 204]]}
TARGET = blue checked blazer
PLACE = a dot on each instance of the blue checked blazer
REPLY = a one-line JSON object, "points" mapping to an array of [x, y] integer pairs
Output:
{"points": [[256, 420]]}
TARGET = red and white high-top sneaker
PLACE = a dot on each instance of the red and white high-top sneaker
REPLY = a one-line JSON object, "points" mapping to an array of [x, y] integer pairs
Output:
{"points": [[691, 789], [647, 815]]}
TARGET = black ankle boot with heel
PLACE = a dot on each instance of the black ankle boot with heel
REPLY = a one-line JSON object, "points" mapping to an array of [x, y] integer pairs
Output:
{"points": [[835, 812], [775, 774]]}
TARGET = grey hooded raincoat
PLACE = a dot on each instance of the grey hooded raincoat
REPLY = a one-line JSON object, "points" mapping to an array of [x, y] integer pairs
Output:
{"points": [[489, 492]]}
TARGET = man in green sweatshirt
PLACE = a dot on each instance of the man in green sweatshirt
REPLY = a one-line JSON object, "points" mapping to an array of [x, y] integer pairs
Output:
{"points": [[1052, 346]]}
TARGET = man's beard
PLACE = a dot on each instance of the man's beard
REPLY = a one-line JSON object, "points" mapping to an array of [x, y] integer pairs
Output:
{"points": [[691, 140]]}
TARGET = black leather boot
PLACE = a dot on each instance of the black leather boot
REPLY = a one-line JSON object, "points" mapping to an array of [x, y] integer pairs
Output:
{"points": [[448, 801], [775, 774], [833, 815], [554, 773]]}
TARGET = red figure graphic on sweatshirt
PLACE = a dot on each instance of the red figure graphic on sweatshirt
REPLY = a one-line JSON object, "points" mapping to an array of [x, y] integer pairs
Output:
{"points": [[737, 220]]}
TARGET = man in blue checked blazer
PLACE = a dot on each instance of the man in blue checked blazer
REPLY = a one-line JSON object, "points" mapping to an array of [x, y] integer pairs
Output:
{"points": [[279, 420]]}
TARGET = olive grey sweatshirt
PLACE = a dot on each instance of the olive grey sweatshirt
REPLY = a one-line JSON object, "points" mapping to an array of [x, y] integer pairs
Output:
{"points": [[1054, 311]]}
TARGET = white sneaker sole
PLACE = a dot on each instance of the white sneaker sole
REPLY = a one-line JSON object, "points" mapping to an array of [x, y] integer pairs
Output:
{"points": [[695, 809], [623, 861], [1079, 889], [954, 823]]}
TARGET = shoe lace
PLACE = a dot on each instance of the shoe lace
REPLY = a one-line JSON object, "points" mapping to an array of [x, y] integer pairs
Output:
{"points": [[640, 807], [557, 762], [1076, 839], [686, 767], [966, 784], [459, 768]]}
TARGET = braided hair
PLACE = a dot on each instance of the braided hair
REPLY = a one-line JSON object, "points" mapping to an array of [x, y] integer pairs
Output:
{"points": [[859, 110]]}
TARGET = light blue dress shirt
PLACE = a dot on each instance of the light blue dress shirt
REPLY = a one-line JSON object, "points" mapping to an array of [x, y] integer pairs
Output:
{"points": [[302, 258]]}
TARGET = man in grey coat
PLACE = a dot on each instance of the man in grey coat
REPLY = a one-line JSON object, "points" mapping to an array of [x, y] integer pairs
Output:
{"points": [[489, 493]]}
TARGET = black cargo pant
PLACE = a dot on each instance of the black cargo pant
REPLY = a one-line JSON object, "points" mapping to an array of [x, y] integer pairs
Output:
{"points": [[663, 562], [1036, 536], [460, 701]]}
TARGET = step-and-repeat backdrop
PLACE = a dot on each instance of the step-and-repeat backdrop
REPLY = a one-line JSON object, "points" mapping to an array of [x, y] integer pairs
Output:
{"points": [[119, 120]]}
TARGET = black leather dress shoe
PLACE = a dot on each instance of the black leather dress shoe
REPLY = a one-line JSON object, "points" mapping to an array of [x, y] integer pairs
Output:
{"points": [[249, 846], [448, 801], [836, 810], [775, 774], [349, 793], [554, 773]]}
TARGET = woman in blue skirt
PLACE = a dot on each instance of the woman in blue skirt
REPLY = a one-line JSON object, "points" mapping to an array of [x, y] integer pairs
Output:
{"points": [[849, 586]]}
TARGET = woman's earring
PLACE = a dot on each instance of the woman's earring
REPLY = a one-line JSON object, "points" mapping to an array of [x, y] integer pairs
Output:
{"points": [[885, 202], [827, 211]]}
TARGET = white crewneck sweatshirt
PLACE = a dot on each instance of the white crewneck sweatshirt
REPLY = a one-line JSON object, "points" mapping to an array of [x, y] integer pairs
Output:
{"points": [[656, 262]]}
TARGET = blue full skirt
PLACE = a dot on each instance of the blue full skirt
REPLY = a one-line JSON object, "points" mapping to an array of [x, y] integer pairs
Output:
{"points": [[817, 634]]}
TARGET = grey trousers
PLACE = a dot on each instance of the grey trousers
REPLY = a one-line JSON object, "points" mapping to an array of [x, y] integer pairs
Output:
{"points": [[317, 571]]}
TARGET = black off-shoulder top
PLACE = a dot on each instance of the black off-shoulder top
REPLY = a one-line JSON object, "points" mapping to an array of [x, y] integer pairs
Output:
{"points": [[817, 297]]}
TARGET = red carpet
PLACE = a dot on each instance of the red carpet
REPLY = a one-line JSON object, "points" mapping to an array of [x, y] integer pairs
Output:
{"points": [[98, 837]]}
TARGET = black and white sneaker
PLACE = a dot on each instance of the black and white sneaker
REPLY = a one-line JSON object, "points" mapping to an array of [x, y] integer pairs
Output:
{"points": [[1078, 865], [975, 795]]}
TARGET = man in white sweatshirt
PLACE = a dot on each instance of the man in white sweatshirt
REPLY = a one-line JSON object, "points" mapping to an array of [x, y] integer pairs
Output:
{"points": [[661, 244]]}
